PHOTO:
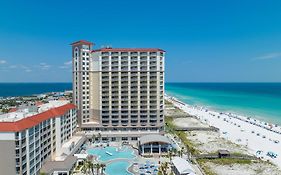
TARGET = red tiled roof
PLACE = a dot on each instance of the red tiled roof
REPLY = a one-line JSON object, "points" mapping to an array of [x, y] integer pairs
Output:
{"points": [[38, 103], [34, 120], [129, 50], [13, 109], [82, 42]]}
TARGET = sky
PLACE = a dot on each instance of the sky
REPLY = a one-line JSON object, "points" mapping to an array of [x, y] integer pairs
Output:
{"points": [[205, 41]]}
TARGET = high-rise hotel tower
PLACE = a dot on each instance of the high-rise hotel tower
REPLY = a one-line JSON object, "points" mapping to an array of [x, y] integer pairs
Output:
{"points": [[118, 89]]}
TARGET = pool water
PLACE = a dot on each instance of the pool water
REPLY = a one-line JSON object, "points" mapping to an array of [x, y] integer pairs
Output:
{"points": [[117, 168], [124, 152]]}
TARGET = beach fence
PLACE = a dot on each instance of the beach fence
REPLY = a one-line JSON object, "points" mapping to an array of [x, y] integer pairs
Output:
{"points": [[211, 128], [231, 156]]}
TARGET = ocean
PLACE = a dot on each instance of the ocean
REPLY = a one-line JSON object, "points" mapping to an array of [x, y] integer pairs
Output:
{"points": [[25, 89], [259, 100]]}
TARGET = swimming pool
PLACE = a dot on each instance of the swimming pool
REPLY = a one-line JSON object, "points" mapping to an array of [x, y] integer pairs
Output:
{"points": [[111, 153], [118, 168]]}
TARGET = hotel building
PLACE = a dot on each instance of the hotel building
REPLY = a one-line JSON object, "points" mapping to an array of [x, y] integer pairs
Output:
{"points": [[36, 135], [118, 89]]}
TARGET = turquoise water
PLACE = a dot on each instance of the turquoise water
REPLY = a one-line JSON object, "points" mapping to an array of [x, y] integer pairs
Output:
{"points": [[118, 168], [260, 100], [125, 152]]}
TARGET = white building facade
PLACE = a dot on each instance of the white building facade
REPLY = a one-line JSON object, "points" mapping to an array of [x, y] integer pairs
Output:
{"points": [[28, 140]]}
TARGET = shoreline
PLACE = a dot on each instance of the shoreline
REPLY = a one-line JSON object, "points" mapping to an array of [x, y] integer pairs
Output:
{"points": [[253, 133]]}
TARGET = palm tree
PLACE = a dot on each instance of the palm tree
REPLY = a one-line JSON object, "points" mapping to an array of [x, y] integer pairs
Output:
{"points": [[97, 166], [179, 153], [164, 168], [102, 166], [93, 138], [90, 163], [99, 136], [170, 155], [85, 167], [91, 166]]}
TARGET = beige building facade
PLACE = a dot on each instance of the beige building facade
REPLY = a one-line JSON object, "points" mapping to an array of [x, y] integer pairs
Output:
{"points": [[118, 89]]}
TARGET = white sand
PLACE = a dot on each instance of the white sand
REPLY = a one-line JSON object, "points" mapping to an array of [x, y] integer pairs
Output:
{"points": [[237, 130], [244, 169], [210, 142], [189, 122]]}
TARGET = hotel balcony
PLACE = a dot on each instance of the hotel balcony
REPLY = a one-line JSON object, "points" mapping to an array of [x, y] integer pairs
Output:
{"points": [[125, 58], [105, 63], [143, 54], [143, 98], [124, 54], [114, 123], [105, 68], [153, 107], [143, 60], [135, 65], [134, 53], [105, 54], [153, 120], [153, 59], [143, 123], [153, 116], [115, 99], [114, 68], [114, 63], [124, 61], [143, 68], [124, 123], [134, 68], [105, 58]]}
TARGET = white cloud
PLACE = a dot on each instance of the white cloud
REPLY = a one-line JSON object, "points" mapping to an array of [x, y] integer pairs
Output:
{"points": [[3, 61], [63, 67], [44, 66], [28, 70], [13, 66], [269, 56], [66, 65]]}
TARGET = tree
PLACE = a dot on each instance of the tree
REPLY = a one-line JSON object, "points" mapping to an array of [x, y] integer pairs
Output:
{"points": [[85, 167], [90, 163], [102, 166], [97, 166], [170, 155], [99, 136], [91, 166], [164, 168], [93, 138]]}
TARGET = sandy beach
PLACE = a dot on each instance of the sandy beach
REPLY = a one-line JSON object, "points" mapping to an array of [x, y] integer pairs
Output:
{"points": [[251, 133]]}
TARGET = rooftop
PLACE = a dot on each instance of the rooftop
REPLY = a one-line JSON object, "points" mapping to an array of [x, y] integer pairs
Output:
{"points": [[31, 110], [20, 120], [183, 166], [128, 50], [154, 138], [65, 165], [82, 42]]}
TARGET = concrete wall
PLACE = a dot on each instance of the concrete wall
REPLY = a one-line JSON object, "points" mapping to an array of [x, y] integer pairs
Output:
{"points": [[7, 157], [95, 96]]}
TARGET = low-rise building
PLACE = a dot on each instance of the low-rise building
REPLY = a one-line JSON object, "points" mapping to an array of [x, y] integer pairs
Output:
{"points": [[28, 139], [154, 143], [182, 167]]}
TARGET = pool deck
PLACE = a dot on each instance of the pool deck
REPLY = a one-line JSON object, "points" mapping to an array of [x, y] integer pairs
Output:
{"points": [[133, 168]]}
